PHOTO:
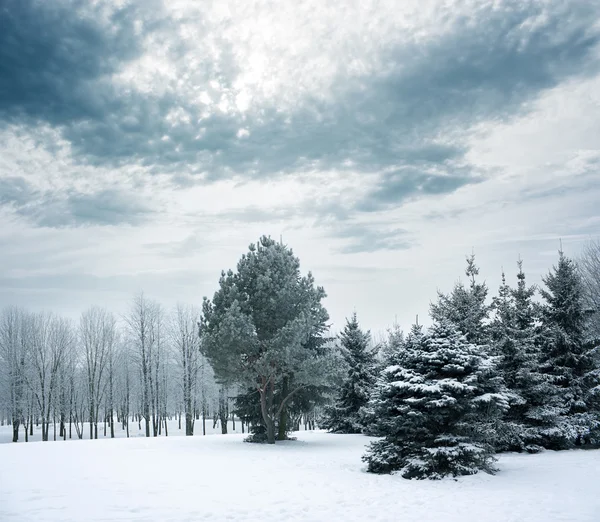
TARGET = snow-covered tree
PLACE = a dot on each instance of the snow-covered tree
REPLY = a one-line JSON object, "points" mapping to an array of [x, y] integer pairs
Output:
{"points": [[434, 408], [345, 415], [567, 360], [514, 344]]}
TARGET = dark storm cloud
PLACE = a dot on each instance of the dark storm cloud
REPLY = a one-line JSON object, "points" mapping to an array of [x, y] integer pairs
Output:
{"points": [[55, 57], [68, 209]]}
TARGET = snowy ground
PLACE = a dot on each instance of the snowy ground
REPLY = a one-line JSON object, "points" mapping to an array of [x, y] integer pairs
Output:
{"points": [[319, 477]]}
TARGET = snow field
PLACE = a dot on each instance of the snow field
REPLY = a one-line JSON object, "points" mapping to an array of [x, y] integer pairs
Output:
{"points": [[319, 477]]}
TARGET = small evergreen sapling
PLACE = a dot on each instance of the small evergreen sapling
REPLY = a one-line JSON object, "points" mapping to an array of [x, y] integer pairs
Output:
{"points": [[345, 415]]}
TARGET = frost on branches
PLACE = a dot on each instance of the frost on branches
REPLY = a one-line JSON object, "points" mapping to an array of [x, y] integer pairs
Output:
{"points": [[434, 408]]}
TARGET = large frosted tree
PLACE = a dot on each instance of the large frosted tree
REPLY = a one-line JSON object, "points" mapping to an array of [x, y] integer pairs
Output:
{"points": [[257, 329], [345, 415]]}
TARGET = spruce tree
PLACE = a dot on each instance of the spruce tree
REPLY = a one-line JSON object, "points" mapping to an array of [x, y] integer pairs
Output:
{"points": [[391, 353], [514, 345], [345, 415], [434, 408], [567, 361], [465, 307]]}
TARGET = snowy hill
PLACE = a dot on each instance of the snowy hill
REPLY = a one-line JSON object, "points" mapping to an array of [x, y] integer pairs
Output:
{"points": [[319, 477]]}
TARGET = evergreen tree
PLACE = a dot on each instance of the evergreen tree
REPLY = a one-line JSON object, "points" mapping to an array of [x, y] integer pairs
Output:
{"points": [[390, 353], [392, 348], [465, 307], [434, 407], [345, 415], [258, 330], [514, 345], [567, 361]]}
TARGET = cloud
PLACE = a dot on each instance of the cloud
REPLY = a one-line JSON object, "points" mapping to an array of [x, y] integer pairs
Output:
{"points": [[55, 58], [56, 209], [486, 64], [396, 187], [359, 238]]}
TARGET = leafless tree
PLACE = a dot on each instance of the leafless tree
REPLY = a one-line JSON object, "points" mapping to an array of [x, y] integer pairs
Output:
{"points": [[142, 329], [589, 264], [13, 354], [185, 340], [50, 338], [97, 332]]}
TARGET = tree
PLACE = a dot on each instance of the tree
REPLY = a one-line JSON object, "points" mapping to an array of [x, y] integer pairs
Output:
{"points": [[142, 325], [465, 307], [185, 339], [50, 339], [434, 407], [567, 361], [97, 331], [345, 415], [13, 355], [589, 263], [514, 344], [256, 330]]}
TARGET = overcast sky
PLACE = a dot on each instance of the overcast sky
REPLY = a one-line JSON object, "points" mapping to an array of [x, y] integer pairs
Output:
{"points": [[145, 144]]}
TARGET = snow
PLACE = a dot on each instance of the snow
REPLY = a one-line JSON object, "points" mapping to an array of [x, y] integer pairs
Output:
{"points": [[319, 477]]}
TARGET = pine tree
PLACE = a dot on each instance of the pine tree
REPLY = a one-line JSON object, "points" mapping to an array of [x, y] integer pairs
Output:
{"points": [[566, 361], [465, 307], [345, 415], [258, 330], [435, 406]]}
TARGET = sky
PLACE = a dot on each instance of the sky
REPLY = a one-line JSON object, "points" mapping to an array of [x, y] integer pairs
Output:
{"points": [[145, 144]]}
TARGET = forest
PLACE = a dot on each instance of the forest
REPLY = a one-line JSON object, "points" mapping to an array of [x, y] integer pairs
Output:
{"points": [[515, 371]]}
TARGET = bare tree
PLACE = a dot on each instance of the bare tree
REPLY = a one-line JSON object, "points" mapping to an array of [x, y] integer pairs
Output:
{"points": [[142, 328], [123, 377], [50, 337], [97, 332], [13, 355], [185, 340], [589, 264]]}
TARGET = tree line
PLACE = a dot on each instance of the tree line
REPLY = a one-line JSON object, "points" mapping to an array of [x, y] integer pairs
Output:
{"points": [[519, 371], [512, 374], [143, 367]]}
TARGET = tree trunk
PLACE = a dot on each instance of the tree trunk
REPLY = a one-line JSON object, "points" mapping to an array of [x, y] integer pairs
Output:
{"points": [[283, 415], [15, 428], [266, 397]]}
